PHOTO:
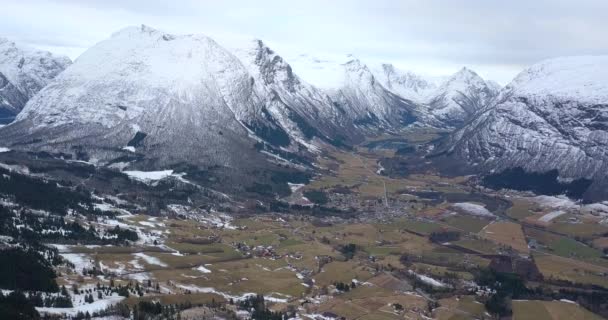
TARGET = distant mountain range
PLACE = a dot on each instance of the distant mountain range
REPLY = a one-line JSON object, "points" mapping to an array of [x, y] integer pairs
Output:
{"points": [[444, 102], [144, 98], [23, 72], [163, 88]]}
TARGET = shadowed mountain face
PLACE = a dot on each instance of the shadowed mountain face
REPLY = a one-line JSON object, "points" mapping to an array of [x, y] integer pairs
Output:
{"points": [[144, 98], [188, 99], [460, 97], [553, 115]]}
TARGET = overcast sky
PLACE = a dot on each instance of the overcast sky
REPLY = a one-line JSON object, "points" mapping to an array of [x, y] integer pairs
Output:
{"points": [[495, 38]]}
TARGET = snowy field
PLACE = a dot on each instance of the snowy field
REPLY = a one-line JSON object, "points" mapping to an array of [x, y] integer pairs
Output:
{"points": [[473, 209]]}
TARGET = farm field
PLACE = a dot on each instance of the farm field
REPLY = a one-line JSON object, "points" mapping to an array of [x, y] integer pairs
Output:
{"points": [[552, 266], [379, 247], [550, 310], [507, 234]]}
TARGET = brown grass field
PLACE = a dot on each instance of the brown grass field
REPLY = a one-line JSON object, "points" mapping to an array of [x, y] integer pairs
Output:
{"points": [[508, 234], [550, 310], [571, 270], [463, 307], [370, 302]]}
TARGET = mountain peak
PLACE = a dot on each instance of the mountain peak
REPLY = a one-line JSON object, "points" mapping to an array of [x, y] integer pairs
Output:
{"points": [[265, 64], [404, 83], [144, 31], [260, 44], [582, 78], [25, 71], [357, 72], [465, 73], [461, 96], [135, 30], [462, 79], [550, 117], [354, 64]]}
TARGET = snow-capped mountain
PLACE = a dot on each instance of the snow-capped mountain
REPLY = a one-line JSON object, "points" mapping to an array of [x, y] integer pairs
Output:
{"points": [[169, 98], [386, 96], [369, 103], [449, 101], [23, 72], [303, 110], [406, 84], [554, 115], [357, 93], [460, 97], [165, 99]]}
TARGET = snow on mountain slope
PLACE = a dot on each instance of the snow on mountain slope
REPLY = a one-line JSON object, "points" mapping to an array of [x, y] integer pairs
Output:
{"points": [[494, 86], [406, 84], [554, 115], [171, 98], [355, 90], [23, 72], [302, 110], [569, 78], [323, 73], [450, 101], [390, 97], [135, 69], [460, 97], [369, 102]]}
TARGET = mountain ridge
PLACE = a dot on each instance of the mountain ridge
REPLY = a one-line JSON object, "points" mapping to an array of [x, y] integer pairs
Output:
{"points": [[23, 72], [553, 115]]}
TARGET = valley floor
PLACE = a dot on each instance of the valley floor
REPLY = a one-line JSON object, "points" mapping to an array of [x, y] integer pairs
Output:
{"points": [[417, 247]]}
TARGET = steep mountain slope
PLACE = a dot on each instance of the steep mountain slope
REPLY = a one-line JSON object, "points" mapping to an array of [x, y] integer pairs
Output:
{"points": [[450, 101], [554, 115], [160, 98], [23, 72], [303, 110], [358, 94], [369, 103], [460, 97], [406, 84]]}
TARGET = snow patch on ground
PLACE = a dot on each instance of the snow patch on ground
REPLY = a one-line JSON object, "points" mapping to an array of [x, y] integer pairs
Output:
{"points": [[107, 207], [202, 269], [108, 269], [474, 209], [141, 276], [428, 280], [147, 224], [79, 260], [197, 289], [551, 215], [600, 207], [97, 305], [148, 176], [3, 149], [149, 259], [555, 202], [295, 186]]}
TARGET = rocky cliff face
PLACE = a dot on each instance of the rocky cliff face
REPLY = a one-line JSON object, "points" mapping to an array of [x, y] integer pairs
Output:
{"points": [[23, 72], [455, 101], [554, 115], [185, 98]]}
